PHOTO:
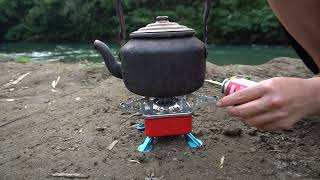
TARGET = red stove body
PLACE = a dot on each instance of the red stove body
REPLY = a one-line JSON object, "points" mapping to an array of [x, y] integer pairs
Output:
{"points": [[168, 126], [168, 117]]}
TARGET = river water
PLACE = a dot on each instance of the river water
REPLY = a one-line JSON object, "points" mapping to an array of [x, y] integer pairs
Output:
{"points": [[220, 55]]}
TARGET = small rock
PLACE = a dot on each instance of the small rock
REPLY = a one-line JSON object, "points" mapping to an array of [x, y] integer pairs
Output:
{"points": [[253, 132], [195, 115], [158, 156], [287, 143], [125, 137], [252, 150], [180, 166], [215, 138], [142, 159], [105, 110], [270, 147], [232, 132], [96, 111], [115, 137], [203, 155], [302, 135], [132, 123], [262, 160], [263, 138], [199, 132], [100, 128], [95, 163]]}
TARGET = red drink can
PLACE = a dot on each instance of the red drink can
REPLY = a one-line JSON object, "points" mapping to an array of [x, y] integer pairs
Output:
{"points": [[235, 84]]}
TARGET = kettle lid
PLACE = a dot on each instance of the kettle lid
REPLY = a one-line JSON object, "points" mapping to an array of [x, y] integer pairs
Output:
{"points": [[162, 28]]}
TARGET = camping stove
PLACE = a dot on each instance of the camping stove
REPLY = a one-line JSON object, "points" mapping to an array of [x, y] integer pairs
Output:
{"points": [[168, 117]]}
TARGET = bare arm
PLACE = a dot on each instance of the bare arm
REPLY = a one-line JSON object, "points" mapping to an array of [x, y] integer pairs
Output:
{"points": [[276, 103], [279, 103], [301, 18]]}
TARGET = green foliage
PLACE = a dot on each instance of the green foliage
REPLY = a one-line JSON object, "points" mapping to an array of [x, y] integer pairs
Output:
{"points": [[22, 60], [232, 21], [245, 21]]}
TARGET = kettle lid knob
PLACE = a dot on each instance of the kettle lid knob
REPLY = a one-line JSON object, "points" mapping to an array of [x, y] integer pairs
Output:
{"points": [[162, 19]]}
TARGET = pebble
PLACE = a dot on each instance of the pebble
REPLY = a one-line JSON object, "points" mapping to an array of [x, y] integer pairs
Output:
{"points": [[215, 138], [263, 138], [125, 137], [115, 137], [262, 160], [158, 156], [252, 150], [180, 166], [203, 155], [232, 132], [100, 128], [142, 159], [199, 132], [253, 132], [302, 135]]}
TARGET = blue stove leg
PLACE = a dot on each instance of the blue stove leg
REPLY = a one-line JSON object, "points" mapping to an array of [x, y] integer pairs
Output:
{"points": [[192, 140], [141, 127], [146, 146]]}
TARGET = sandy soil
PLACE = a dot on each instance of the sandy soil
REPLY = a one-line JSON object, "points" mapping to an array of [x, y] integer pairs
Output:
{"points": [[44, 132]]}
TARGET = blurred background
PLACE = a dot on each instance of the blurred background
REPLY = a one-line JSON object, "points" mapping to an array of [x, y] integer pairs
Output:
{"points": [[240, 31]]}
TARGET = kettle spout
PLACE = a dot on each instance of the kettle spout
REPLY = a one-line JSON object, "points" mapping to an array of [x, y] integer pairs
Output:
{"points": [[113, 66]]}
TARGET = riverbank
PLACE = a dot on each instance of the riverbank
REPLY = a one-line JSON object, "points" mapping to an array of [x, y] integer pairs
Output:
{"points": [[220, 55], [67, 126]]}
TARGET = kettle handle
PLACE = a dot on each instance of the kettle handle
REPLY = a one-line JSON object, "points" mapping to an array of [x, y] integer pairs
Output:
{"points": [[207, 6], [206, 11], [122, 33]]}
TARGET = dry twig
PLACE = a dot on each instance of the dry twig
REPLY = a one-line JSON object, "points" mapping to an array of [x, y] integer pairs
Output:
{"points": [[55, 82], [221, 162], [70, 175], [110, 147], [135, 114], [134, 161], [15, 82]]}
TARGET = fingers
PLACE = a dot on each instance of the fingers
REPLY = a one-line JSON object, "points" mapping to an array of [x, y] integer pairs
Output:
{"points": [[242, 96], [274, 120], [260, 120], [251, 108]]}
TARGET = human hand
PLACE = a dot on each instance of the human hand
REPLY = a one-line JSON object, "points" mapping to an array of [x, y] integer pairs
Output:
{"points": [[276, 103]]}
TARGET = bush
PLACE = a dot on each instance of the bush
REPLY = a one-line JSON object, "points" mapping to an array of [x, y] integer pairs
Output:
{"points": [[23, 60], [232, 21]]}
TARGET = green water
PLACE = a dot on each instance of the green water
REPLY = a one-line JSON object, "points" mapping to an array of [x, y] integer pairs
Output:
{"points": [[220, 55]]}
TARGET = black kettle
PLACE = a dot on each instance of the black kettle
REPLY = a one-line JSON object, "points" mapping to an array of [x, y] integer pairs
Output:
{"points": [[163, 59]]}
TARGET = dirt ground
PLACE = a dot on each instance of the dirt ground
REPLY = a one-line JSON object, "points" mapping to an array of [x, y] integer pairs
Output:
{"points": [[68, 130]]}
